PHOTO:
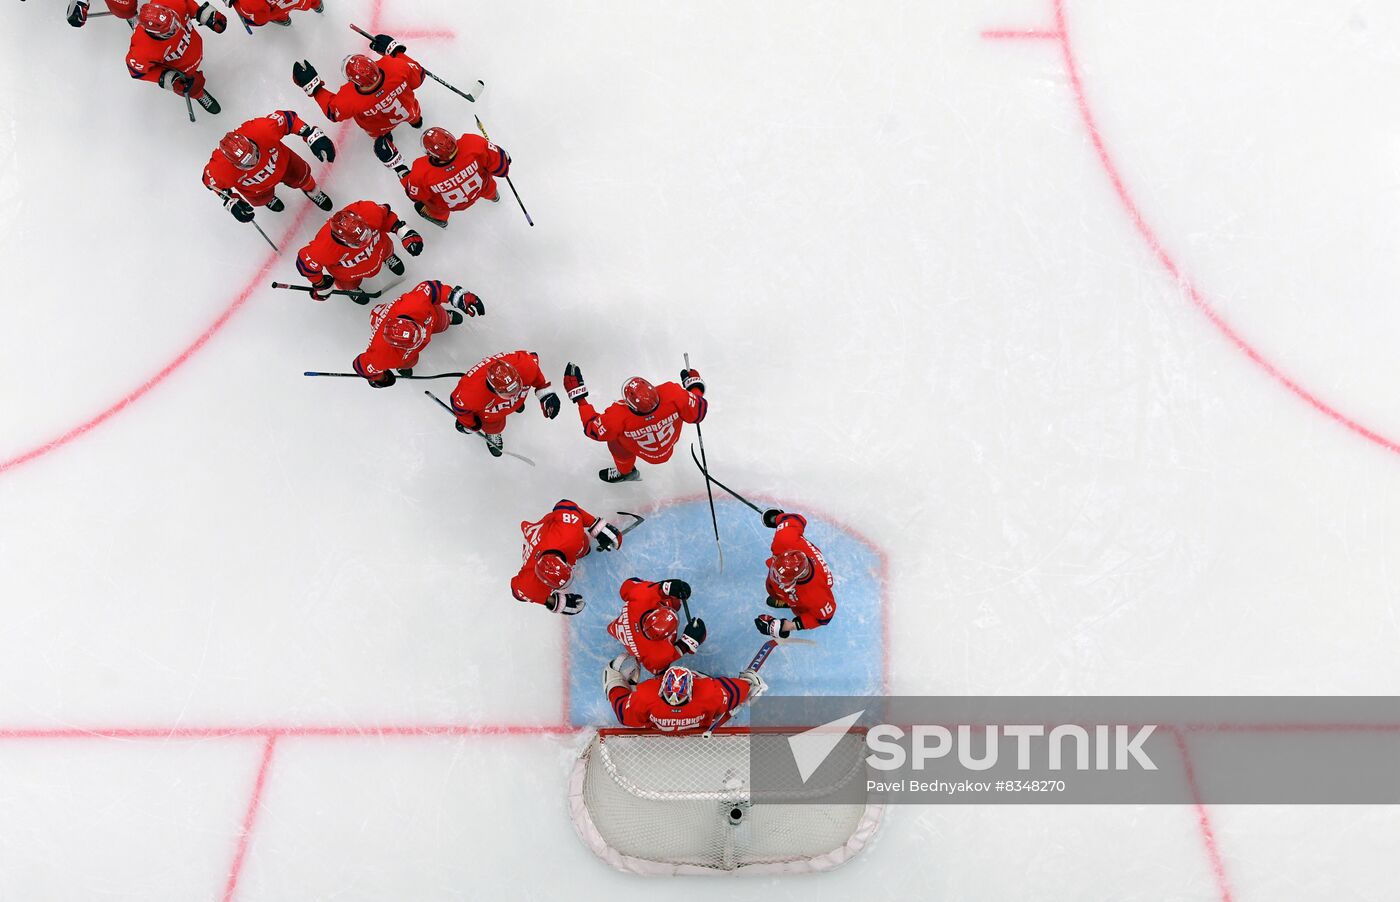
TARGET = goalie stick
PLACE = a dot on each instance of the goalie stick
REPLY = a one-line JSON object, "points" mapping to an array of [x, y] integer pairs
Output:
{"points": [[474, 432], [759, 659]]}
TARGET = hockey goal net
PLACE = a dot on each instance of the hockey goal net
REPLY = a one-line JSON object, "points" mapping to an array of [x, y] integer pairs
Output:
{"points": [[657, 803]]}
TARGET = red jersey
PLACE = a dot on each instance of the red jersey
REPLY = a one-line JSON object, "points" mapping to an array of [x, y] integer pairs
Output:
{"points": [[652, 436], [811, 599], [564, 530], [643, 706], [641, 598], [274, 157], [123, 9], [350, 266], [149, 58], [392, 103], [261, 12], [478, 407], [425, 306], [458, 184]]}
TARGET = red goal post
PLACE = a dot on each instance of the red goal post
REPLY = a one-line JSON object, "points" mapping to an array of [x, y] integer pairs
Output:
{"points": [[681, 804]]}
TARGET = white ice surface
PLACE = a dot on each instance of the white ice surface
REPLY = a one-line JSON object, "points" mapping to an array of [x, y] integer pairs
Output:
{"points": [[889, 245]]}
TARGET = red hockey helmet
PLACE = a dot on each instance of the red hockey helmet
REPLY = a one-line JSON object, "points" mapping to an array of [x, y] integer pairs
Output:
{"points": [[640, 395], [240, 150], [403, 333], [660, 623], [440, 144], [553, 570], [677, 684], [504, 379], [350, 229], [158, 21], [361, 72], [788, 568]]}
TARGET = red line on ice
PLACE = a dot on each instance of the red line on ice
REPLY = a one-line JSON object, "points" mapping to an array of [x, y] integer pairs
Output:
{"points": [[1169, 262], [250, 817], [1217, 863], [233, 306], [1021, 34]]}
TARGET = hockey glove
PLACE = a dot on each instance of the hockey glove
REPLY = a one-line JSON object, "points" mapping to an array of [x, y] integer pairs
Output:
{"points": [[241, 209], [769, 625], [395, 264], [386, 379], [78, 13], [412, 242], [607, 536], [692, 636], [385, 45], [690, 380], [467, 302], [387, 152], [770, 518], [678, 589], [569, 604], [211, 18], [573, 383], [321, 146], [549, 404], [306, 78], [756, 684], [321, 291]]}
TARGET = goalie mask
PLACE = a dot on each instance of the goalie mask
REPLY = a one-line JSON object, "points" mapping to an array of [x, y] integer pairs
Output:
{"points": [[677, 684]]}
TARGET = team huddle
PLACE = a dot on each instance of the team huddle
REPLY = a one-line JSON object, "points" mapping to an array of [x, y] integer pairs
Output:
{"points": [[356, 254]]}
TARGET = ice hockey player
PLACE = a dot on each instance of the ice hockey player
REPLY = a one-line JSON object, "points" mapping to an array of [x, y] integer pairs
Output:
{"points": [[798, 578], [646, 423], [496, 388], [252, 160], [378, 94], [354, 245], [648, 626], [454, 174], [166, 50], [403, 329], [553, 546], [678, 701], [256, 13], [122, 9]]}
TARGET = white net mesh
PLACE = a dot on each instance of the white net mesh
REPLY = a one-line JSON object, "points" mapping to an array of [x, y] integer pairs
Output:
{"points": [[654, 803]]}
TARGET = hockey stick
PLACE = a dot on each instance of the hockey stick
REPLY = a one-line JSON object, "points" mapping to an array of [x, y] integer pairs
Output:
{"points": [[710, 478], [482, 128], [480, 85], [307, 288], [264, 234], [637, 520], [714, 520], [756, 664], [474, 432], [396, 374]]}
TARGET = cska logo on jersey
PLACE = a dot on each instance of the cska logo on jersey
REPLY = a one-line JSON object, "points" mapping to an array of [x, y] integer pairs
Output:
{"points": [[263, 174], [178, 50]]}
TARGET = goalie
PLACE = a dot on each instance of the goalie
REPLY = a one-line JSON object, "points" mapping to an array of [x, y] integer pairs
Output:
{"points": [[678, 701], [648, 626]]}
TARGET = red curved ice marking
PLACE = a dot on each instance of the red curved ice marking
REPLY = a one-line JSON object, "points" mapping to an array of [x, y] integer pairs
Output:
{"points": [[83, 428], [1164, 257]]}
